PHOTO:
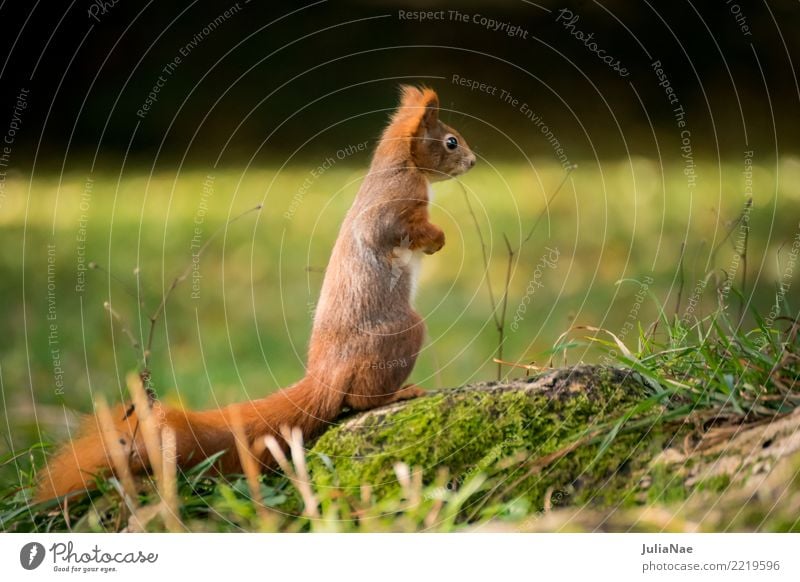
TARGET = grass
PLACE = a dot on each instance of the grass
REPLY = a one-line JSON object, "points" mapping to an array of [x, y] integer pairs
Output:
{"points": [[712, 375], [714, 371], [244, 334]]}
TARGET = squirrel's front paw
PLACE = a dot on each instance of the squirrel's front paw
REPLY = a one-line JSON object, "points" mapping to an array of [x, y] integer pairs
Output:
{"points": [[436, 244]]}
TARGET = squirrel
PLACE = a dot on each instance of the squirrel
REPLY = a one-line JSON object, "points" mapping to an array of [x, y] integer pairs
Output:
{"points": [[365, 336]]}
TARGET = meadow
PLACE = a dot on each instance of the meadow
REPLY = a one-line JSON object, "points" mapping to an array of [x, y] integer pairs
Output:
{"points": [[86, 259]]}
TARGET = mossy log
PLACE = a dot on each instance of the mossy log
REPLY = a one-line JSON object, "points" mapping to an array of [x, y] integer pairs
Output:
{"points": [[540, 439], [552, 426]]}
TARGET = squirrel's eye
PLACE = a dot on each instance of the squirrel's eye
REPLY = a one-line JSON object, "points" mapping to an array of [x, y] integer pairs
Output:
{"points": [[451, 142]]}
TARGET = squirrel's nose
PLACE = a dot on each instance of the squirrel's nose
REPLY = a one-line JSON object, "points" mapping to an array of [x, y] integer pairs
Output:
{"points": [[472, 162]]}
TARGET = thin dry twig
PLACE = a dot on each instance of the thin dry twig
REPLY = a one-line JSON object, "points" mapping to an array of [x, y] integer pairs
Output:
{"points": [[743, 254], [550, 200], [681, 280], [180, 279], [500, 318], [123, 325], [504, 309], [95, 266], [735, 223], [484, 253], [144, 350], [531, 367]]}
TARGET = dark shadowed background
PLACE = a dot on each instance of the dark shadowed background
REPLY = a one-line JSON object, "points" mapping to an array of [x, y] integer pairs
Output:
{"points": [[249, 71]]}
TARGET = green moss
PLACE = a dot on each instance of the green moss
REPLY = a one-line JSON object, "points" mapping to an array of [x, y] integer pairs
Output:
{"points": [[665, 485], [467, 430], [717, 483]]}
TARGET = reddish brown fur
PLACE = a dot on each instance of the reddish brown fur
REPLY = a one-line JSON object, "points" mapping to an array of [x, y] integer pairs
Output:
{"points": [[366, 334]]}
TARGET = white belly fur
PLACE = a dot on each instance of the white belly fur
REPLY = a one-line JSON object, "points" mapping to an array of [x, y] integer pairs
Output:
{"points": [[414, 268], [409, 262]]}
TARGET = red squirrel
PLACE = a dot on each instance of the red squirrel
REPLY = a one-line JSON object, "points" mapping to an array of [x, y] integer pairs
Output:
{"points": [[366, 334]]}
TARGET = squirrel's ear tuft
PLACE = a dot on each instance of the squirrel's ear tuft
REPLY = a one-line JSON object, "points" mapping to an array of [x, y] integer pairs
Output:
{"points": [[418, 112], [422, 104], [409, 96], [418, 97]]}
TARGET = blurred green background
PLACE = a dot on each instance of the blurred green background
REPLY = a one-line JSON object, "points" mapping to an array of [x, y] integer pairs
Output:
{"points": [[241, 331], [252, 112]]}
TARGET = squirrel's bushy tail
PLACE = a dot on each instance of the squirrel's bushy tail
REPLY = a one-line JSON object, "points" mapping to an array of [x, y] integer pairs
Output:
{"points": [[198, 435]]}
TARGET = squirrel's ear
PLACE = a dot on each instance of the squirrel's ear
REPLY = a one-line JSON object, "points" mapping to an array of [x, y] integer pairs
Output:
{"points": [[409, 96], [429, 113]]}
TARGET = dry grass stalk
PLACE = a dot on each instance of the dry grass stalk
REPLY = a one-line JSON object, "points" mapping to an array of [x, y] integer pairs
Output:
{"points": [[410, 483], [303, 480], [548, 500], [148, 424], [300, 477], [169, 485], [403, 478], [118, 455], [416, 487], [143, 516], [366, 494], [249, 463], [442, 477]]}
